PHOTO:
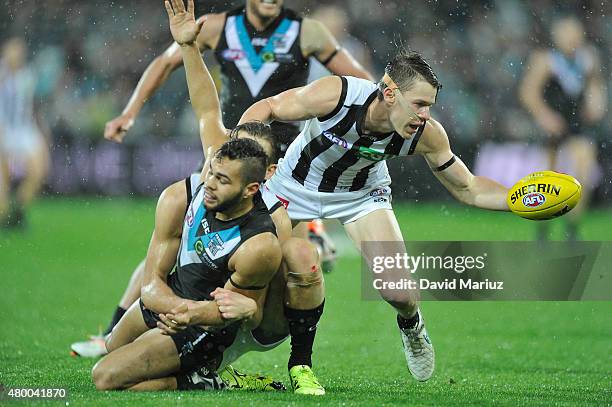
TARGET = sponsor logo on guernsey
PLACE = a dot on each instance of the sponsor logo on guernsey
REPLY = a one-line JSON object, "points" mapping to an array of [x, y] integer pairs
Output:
{"points": [[534, 200], [259, 41], [373, 155], [189, 217], [335, 139], [231, 54], [379, 191]]}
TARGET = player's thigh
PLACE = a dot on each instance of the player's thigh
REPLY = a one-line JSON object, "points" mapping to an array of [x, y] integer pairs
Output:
{"points": [[152, 356], [377, 226], [378, 237], [377, 234], [273, 323], [38, 159], [129, 327]]}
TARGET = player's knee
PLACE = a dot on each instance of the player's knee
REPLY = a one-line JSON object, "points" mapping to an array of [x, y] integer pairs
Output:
{"points": [[109, 343], [302, 262], [104, 376]]}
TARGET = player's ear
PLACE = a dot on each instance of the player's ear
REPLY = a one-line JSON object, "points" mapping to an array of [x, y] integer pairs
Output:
{"points": [[250, 189], [388, 96], [270, 170]]}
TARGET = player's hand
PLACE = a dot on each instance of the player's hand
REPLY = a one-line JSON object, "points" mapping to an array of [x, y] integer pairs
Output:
{"points": [[183, 25], [552, 122], [116, 129], [176, 320], [234, 306]]}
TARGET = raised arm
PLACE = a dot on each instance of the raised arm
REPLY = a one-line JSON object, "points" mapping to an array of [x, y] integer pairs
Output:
{"points": [[202, 91], [481, 192], [318, 41], [156, 74], [314, 100]]}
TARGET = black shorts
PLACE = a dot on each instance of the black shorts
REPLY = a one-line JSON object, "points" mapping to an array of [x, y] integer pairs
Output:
{"points": [[196, 346]]}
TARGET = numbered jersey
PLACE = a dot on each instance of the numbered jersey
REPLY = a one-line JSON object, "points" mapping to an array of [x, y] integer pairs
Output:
{"points": [[208, 243], [334, 154]]}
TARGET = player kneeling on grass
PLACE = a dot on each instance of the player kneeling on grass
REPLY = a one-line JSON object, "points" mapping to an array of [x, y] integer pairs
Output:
{"points": [[228, 240]]}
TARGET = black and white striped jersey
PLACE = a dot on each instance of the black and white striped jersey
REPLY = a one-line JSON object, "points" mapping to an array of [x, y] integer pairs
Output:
{"points": [[333, 153]]}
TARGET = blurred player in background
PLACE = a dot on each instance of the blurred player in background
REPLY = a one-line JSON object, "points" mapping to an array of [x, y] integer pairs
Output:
{"points": [[21, 141], [263, 49], [564, 91]]}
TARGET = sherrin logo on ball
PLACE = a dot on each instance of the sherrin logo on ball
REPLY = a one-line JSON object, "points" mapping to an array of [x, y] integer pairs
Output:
{"points": [[544, 195]]}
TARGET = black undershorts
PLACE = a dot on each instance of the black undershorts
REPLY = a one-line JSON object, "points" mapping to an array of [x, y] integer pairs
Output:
{"points": [[196, 346]]}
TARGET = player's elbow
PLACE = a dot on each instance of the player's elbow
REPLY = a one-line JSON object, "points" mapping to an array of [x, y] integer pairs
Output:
{"points": [[147, 295]]}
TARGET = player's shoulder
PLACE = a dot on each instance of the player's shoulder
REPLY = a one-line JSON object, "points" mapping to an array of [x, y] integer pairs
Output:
{"points": [[263, 246], [173, 197], [213, 19], [433, 138], [357, 89], [540, 57], [293, 15], [212, 28]]}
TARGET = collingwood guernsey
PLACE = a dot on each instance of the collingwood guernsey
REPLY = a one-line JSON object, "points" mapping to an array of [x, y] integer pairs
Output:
{"points": [[334, 154]]}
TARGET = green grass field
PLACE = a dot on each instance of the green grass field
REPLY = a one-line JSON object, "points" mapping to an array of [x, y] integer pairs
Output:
{"points": [[62, 278]]}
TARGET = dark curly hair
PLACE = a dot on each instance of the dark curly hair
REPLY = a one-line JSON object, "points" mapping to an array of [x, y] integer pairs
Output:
{"points": [[250, 153], [259, 130]]}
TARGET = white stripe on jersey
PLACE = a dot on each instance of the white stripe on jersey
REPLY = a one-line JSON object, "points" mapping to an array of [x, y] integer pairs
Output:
{"points": [[331, 155]]}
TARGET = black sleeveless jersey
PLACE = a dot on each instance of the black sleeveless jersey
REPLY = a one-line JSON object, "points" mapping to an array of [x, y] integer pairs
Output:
{"points": [[208, 243], [256, 65], [564, 91]]}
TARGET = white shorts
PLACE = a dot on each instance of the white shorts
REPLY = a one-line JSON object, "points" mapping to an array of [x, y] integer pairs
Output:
{"points": [[305, 204], [245, 342]]}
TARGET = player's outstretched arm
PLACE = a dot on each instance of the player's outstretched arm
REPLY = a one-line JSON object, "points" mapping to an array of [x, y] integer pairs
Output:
{"points": [[319, 42], [314, 100], [163, 249], [481, 192], [156, 74]]}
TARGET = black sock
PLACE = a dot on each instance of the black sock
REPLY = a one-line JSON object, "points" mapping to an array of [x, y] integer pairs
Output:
{"points": [[404, 323], [303, 328], [119, 311]]}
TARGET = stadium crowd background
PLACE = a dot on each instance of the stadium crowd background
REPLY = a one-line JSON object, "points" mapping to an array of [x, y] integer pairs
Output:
{"points": [[90, 55]]}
